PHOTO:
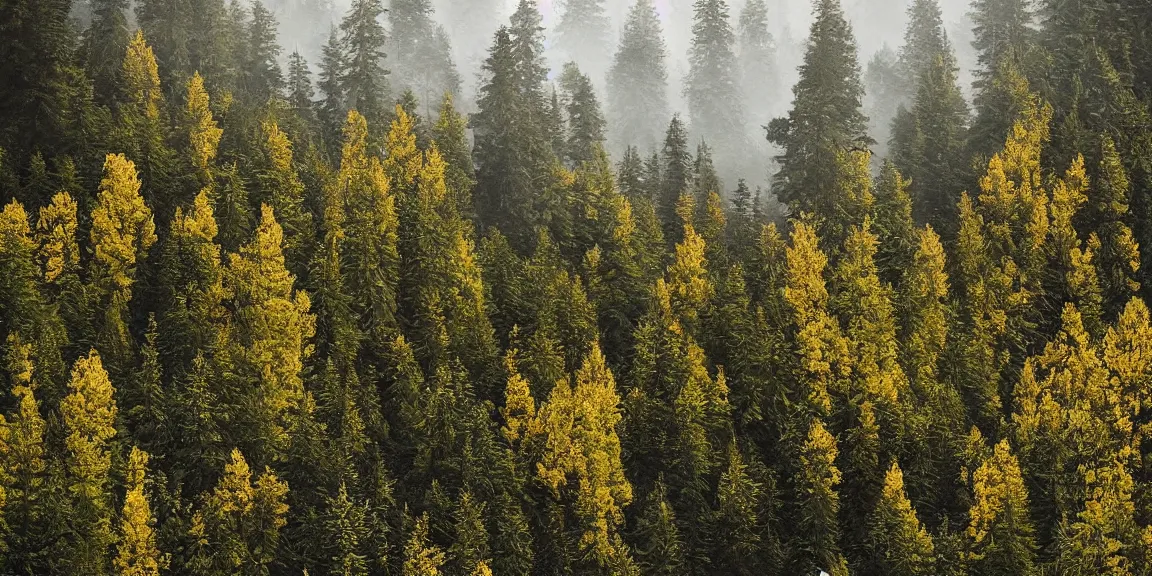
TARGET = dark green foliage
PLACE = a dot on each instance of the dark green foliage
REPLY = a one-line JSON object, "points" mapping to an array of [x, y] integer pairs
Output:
{"points": [[638, 81]]}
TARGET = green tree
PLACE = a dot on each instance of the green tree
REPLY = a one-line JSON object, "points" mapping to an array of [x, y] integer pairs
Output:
{"points": [[638, 81], [818, 504], [584, 34], [261, 76], [29, 504], [715, 104], [104, 43], [421, 557], [237, 527], [1000, 533], [825, 118], [585, 122], [901, 545], [422, 51], [89, 413], [451, 136], [363, 78], [137, 554], [759, 74]]}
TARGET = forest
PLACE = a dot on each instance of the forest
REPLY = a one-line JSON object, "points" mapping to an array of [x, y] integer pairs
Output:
{"points": [[266, 316]]}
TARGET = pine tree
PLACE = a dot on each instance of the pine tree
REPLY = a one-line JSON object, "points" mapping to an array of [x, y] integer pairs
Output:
{"points": [[136, 551], [893, 224], [203, 132], [423, 55], [262, 77], [825, 118], [580, 459], [28, 502], [1003, 42], [638, 81], [1098, 539], [901, 545], [757, 59], [924, 40], [104, 43], [1000, 533], [676, 160], [818, 505], [451, 137], [332, 109], [585, 122], [363, 78], [583, 34], [268, 340], [345, 532], [145, 128], [1118, 256], [299, 90], [122, 233], [715, 104], [238, 523], [89, 412], [421, 558], [282, 189]]}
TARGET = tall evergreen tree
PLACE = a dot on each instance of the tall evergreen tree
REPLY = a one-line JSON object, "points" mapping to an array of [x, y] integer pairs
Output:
{"points": [[104, 44], [363, 77], [1000, 533], [584, 35], [638, 81], [825, 119], [757, 57], [262, 77], [423, 55], [715, 102], [585, 122]]}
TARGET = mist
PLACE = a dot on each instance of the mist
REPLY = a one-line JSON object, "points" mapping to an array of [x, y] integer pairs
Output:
{"points": [[470, 24]]}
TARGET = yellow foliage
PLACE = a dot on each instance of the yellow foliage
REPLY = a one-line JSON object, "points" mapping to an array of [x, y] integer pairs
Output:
{"points": [[142, 77], [203, 133], [56, 230], [137, 554], [89, 414], [122, 226], [403, 162]]}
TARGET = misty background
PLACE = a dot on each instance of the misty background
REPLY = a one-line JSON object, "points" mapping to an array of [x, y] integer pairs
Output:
{"points": [[470, 25]]}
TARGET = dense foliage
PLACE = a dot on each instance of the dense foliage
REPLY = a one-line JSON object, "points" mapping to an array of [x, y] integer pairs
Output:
{"points": [[256, 321]]}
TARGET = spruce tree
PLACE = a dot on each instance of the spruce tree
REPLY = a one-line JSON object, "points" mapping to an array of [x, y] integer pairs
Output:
{"points": [[300, 92], [585, 122], [757, 59], [88, 413], [262, 77], [1000, 534], [583, 34], [451, 137], [29, 502], [676, 181], [332, 110], [422, 55], [363, 77], [638, 81], [715, 104], [104, 44], [900, 544], [818, 504], [136, 551], [924, 39], [1004, 44], [825, 119]]}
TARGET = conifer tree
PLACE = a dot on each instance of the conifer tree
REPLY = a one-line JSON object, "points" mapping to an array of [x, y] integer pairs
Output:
{"points": [[757, 59], [585, 122], [238, 524], [363, 78], [268, 339], [825, 119], [1104, 537], [203, 132], [27, 499], [584, 34], [421, 557], [423, 55], [715, 104], [451, 137], [345, 530], [676, 172], [893, 224], [659, 549], [136, 551], [262, 77], [901, 545], [122, 233], [104, 43], [332, 110], [580, 459], [638, 81], [1118, 256], [1000, 533], [924, 40], [299, 91], [282, 189], [89, 413], [23, 307], [817, 547]]}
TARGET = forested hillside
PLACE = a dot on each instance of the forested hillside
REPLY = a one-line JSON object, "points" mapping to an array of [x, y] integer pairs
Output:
{"points": [[256, 319]]}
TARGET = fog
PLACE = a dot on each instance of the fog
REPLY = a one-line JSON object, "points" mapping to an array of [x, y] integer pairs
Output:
{"points": [[878, 24]]}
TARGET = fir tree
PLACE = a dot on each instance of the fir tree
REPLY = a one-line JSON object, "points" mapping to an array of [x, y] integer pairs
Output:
{"points": [[203, 132], [585, 122], [299, 89], [818, 502], [363, 78], [332, 109], [676, 172], [638, 81], [29, 503], [900, 543], [451, 137], [757, 59], [89, 412], [924, 40], [423, 55], [715, 104], [584, 34], [1000, 534], [104, 44], [137, 554], [262, 77], [825, 118]]}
